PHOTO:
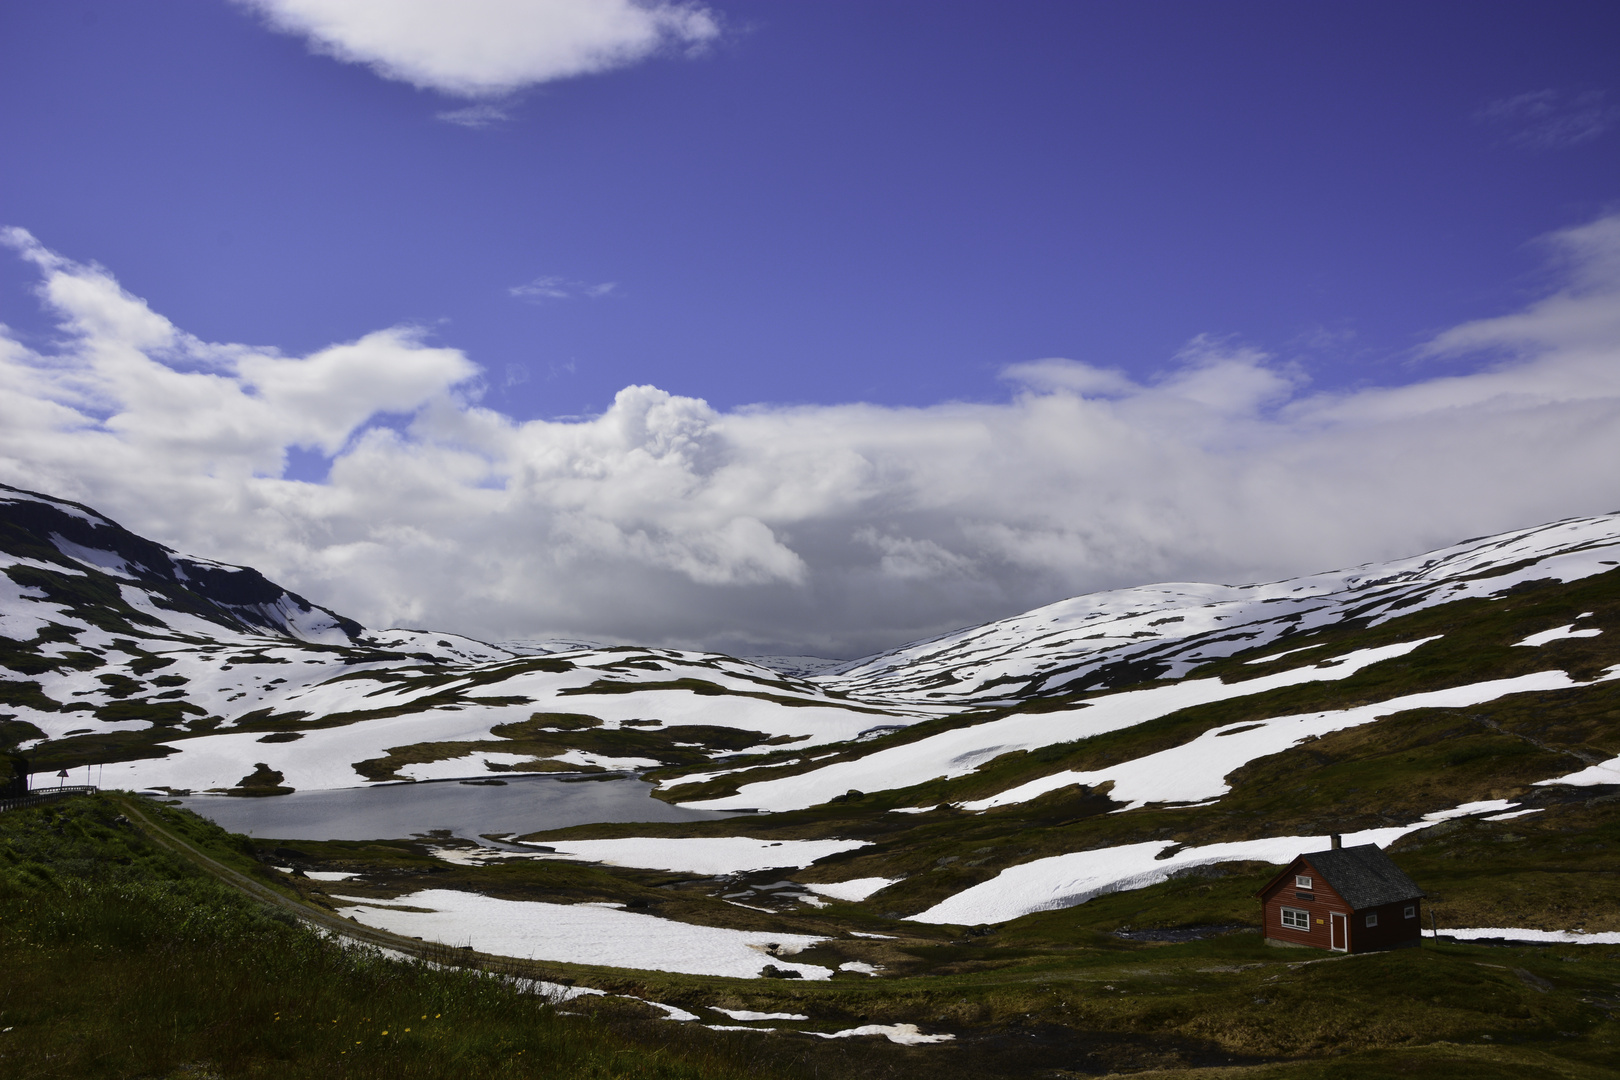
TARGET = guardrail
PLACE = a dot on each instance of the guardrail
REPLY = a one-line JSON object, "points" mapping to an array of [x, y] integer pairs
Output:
{"points": [[45, 795]]}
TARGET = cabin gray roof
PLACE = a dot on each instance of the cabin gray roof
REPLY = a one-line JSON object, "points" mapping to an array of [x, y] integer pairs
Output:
{"points": [[1363, 875]]}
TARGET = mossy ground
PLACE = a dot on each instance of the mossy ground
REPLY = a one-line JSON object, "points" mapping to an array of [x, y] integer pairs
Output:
{"points": [[126, 963], [1054, 993], [1058, 993], [121, 960]]}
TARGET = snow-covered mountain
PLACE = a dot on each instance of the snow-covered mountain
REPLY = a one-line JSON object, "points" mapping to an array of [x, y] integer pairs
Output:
{"points": [[186, 674], [183, 674], [1112, 639]]}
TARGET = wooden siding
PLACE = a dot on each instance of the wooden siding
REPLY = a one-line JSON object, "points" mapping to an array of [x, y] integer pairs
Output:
{"points": [[1393, 931], [1323, 901]]}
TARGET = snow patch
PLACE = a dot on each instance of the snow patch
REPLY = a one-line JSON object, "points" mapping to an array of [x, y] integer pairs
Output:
{"points": [[712, 855], [1196, 770], [581, 934], [1559, 633], [1551, 937], [854, 890], [1513, 814], [904, 1034], [1061, 881], [471, 766], [745, 1014], [959, 751], [1607, 772]]}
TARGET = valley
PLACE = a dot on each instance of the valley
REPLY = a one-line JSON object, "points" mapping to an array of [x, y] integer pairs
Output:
{"points": [[1025, 848]]}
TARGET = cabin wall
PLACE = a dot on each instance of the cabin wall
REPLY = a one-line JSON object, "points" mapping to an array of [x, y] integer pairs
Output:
{"points": [[1394, 929], [1319, 902]]}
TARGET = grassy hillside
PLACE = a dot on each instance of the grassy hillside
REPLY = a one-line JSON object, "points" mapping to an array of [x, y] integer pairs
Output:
{"points": [[121, 960], [172, 975]]}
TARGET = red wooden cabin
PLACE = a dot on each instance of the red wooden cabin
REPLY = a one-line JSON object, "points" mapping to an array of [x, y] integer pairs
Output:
{"points": [[1346, 899]]}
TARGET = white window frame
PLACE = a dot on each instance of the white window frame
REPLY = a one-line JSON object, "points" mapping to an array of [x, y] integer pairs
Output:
{"points": [[1302, 881], [1411, 911], [1372, 919], [1301, 914]]}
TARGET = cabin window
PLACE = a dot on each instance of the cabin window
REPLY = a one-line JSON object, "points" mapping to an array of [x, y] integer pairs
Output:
{"points": [[1372, 918], [1295, 919], [1302, 881], [1411, 911]]}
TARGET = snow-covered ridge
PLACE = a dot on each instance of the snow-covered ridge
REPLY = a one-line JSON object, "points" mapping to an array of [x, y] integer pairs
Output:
{"points": [[1101, 639], [231, 671], [168, 585]]}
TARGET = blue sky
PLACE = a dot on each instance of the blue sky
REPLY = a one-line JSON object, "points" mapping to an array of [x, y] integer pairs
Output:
{"points": [[839, 201], [797, 206]]}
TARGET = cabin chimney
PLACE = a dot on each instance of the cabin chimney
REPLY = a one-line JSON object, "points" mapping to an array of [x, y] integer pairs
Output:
{"points": [[1338, 842]]}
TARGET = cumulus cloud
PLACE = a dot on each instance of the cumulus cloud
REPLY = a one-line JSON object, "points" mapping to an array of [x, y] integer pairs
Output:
{"points": [[823, 529], [490, 48]]}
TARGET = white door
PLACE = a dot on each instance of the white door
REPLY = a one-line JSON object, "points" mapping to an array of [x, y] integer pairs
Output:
{"points": [[1338, 932]]}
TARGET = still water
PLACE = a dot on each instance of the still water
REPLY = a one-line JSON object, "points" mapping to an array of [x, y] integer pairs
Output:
{"points": [[399, 811]]}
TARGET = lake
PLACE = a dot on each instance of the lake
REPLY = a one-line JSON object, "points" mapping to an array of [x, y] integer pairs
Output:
{"points": [[525, 804]]}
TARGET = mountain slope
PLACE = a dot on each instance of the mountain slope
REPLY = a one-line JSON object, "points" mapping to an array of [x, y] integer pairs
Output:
{"points": [[202, 676], [186, 674], [1112, 639]]}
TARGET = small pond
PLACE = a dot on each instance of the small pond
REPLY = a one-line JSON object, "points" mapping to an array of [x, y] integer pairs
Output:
{"points": [[524, 804]]}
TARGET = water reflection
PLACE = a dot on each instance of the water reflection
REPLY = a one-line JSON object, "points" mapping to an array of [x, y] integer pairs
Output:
{"points": [[524, 804]]}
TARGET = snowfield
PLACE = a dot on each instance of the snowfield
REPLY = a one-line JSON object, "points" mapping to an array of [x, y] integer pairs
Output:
{"points": [[1550, 937], [959, 752], [1607, 772], [229, 672], [1061, 881], [1183, 625], [1196, 770], [853, 890], [1560, 633], [709, 855], [585, 934]]}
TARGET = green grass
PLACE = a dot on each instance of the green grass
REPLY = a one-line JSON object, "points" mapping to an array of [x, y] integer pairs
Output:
{"points": [[122, 962]]}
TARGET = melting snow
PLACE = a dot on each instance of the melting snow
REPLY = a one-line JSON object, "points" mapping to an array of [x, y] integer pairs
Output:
{"points": [[1197, 769], [713, 855], [904, 1034], [958, 752], [1559, 633], [584, 934], [471, 766], [1607, 772], [854, 890], [1469, 808], [1551, 937], [1061, 881], [106, 561]]}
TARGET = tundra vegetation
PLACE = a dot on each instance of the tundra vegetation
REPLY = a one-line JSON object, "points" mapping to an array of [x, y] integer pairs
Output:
{"points": [[141, 940], [124, 959]]}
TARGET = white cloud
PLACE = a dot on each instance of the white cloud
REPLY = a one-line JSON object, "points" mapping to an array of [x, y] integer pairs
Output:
{"points": [[490, 48], [814, 529], [542, 289], [481, 115], [1552, 119]]}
